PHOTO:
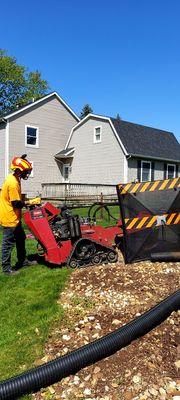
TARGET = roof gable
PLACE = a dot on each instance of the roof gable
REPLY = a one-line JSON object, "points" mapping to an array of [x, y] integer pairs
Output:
{"points": [[138, 140], [39, 101]]}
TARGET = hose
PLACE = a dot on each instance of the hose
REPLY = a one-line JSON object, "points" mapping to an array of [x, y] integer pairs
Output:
{"points": [[166, 256], [47, 374], [100, 207]]}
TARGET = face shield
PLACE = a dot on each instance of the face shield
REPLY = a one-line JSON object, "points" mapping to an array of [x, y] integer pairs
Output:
{"points": [[25, 174]]}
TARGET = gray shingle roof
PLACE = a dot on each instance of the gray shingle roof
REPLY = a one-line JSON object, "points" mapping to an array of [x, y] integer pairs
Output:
{"points": [[64, 153], [149, 142]]}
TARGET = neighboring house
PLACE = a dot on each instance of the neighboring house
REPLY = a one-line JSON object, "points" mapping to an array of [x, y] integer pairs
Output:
{"points": [[38, 129], [103, 150]]}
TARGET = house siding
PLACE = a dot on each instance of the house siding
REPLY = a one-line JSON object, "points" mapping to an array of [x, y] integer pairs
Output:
{"points": [[54, 122], [158, 169], [2, 154], [96, 163]]}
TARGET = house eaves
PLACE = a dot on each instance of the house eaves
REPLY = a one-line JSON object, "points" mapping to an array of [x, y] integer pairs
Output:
{"points": [[94, 116], [154, 158], [39, 101], [69, 152]]}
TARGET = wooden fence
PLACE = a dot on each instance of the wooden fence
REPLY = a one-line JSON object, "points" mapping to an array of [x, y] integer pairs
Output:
{"points": [[78, 193]]}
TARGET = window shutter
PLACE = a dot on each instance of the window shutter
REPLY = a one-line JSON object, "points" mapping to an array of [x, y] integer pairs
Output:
{"points": [[177, 170], [152, 171], [139, 170], [165, 170]]}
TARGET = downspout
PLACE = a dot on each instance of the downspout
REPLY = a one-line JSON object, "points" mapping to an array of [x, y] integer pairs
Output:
{"points": [[126, 158], [7, 150]]}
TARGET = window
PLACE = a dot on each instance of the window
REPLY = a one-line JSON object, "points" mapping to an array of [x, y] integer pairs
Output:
{"points": [[31, 136], [97, 134], [66, 172], [145, 171], [171, 171]]}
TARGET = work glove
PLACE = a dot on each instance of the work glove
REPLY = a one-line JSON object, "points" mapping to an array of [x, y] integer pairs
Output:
{"points": [[33, 202]]}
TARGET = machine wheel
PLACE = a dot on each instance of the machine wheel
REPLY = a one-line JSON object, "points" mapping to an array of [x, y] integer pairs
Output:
{"points": [[97, 259], [73, 263], [112, 257], [85, 249]]}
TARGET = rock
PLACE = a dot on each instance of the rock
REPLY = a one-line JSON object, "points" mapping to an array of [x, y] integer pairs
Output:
{"points": [[177, 364], [116, 322], [66, 337], [87, 391], [136, 378], [96, 370], [128, 395]]}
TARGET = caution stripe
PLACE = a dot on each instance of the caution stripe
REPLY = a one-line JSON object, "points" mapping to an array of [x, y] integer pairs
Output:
{"points": [[166, 184], [152, 221]]}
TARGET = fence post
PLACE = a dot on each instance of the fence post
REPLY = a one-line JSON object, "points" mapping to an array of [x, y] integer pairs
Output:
{"points": [[101, 200]]}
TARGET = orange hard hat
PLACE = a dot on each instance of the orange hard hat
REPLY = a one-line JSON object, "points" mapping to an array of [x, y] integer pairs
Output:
{"points": [[21, 163]]}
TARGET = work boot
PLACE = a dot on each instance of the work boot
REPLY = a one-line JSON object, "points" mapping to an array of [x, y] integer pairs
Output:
{"points": [[11, 272], [26, 263]]}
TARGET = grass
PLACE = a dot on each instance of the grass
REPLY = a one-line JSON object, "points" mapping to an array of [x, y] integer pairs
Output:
{"points": [[102, 217], [28, 308]]}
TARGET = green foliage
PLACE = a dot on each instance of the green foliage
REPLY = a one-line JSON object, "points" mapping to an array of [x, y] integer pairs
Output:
{"points": [[118, 117], [85, 111], [17, 85]]}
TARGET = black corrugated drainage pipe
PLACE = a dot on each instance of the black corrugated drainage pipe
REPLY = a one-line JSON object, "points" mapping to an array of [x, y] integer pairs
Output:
{"points": [[166, 256], [47, 374]]}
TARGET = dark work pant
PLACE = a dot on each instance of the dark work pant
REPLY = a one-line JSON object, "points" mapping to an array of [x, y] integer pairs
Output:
{"points": [[12, 236]]}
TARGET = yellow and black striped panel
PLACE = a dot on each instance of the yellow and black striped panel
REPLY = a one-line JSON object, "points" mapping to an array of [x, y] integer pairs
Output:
{"points": [[142, 187], [152, 221]]}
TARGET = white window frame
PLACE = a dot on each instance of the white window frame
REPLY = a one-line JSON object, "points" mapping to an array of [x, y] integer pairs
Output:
{"points": [[95, 139], [150, 171], [171, 165], [69, 168], [37, 137]]}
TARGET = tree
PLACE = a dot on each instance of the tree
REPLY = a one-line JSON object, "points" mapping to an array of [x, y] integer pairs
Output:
{"points": [[17, 85], [85, 111], [118, 117]]}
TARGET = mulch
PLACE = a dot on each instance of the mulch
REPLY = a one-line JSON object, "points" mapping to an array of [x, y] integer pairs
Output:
{"points": [[99, 300]]}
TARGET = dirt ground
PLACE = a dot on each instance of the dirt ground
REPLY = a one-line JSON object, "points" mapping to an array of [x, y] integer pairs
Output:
{"points": [[100, 299]]}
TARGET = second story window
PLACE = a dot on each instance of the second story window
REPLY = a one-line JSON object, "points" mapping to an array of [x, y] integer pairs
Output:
{"points": [[31, 136], [97, 134]]}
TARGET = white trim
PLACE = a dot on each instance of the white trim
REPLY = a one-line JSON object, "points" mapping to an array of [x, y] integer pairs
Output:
{"points": [[100, 133], [147, 162], [7, 150], [104, 119], [39, 101], [125, 170], [32, 172], [171, 165], [35, 146]]}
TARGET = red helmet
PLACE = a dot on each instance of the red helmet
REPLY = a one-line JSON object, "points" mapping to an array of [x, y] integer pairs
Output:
{"points": [[21, 163]]}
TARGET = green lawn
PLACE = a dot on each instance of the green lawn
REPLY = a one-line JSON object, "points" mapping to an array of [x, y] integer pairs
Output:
{"points": [[102, 216], [28, 308]]}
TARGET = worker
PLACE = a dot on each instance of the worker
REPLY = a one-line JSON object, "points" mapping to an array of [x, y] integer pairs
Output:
{"points": [[11, 205]]}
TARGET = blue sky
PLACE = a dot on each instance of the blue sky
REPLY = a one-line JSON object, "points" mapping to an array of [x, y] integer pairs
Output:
{"points": [[118, 56]]}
